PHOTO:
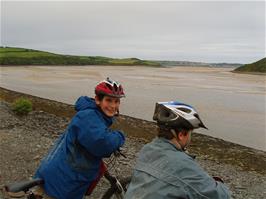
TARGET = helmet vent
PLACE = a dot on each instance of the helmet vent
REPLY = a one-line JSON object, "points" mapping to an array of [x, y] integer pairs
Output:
{"points": [[109, 86], [166, 114], [184, 110], [115, 87]]}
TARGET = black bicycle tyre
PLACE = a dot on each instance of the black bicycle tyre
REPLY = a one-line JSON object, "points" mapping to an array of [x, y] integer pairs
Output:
{"points": [[112, 190]]}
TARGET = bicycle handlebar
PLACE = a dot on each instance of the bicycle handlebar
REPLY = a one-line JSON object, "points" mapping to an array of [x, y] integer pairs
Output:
{"points": [[24, 185], [119, 153]]}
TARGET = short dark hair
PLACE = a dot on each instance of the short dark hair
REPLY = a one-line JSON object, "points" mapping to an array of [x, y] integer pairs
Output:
{"points": [[100, 96], [165, 132]]}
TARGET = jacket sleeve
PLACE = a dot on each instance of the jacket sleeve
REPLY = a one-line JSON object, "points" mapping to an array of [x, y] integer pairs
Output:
{"points": [[92, 134], [201, 184]]}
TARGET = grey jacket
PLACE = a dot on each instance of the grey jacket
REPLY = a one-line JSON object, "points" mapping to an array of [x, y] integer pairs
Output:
{"points": [[163, 171]]}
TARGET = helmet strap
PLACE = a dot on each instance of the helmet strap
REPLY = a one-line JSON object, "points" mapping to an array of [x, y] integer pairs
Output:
{"points": [[188, 141], [177, 143], [174, 133]]}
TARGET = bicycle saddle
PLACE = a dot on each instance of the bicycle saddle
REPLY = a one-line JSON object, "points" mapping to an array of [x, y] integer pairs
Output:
{"points": [[23, 185]]}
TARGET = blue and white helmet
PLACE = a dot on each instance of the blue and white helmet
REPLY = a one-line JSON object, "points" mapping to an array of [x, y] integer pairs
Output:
{"points": [[175, 114]]}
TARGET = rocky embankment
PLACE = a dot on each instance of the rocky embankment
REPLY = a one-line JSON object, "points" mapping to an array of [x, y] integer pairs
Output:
{"points": [[25, 140]]}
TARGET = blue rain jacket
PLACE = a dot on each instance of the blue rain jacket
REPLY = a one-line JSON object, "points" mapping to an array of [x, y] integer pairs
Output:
{"points": [[163, 171], [73, 163]]}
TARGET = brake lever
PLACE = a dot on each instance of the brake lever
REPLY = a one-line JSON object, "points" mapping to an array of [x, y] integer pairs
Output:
{"points": [[118, 153]]}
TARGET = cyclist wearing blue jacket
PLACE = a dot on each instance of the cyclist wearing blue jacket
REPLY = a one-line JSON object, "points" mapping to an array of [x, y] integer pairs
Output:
{"points": [[164, 170], [75, 161]]}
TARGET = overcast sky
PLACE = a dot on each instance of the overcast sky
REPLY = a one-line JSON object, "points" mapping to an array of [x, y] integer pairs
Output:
{"points": [[194, 31]]}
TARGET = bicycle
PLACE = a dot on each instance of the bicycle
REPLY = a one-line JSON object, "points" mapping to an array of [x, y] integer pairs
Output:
{"points": [[25, 189]]}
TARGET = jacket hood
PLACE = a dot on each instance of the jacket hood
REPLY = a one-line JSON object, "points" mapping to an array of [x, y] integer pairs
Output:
{"points": [[85, 102]]}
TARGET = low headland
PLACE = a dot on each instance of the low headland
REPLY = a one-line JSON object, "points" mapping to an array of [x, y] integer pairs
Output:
{"points": [[258, 67], [13, 56], [21, 56]]}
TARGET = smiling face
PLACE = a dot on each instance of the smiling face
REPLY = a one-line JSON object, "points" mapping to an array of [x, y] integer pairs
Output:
{"points": [[109, 105]]}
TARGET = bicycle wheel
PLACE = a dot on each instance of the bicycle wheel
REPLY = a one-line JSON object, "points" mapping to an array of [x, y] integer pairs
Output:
{"points": [[113, 191]]}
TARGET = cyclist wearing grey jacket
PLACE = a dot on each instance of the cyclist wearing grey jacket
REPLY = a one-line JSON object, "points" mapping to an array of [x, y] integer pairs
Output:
{"points": [[164, 170]]}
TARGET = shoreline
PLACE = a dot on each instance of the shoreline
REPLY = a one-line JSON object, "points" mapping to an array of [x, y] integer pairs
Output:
{"points": [[174, 66], [202, 145], [248, 73]]}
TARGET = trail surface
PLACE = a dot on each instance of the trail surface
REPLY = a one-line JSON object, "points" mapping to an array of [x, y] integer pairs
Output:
{"points": [[25, 140]]}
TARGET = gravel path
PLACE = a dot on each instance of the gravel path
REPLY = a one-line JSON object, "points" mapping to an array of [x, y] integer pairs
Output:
{"points": [[25, 140]]}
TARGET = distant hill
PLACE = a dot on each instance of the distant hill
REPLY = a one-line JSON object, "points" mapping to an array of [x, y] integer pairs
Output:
{"points": [[22, 56], [259, 66], [189, 63]]}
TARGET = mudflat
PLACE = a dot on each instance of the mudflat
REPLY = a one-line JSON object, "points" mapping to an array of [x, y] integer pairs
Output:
{"points": [[231, 104]]}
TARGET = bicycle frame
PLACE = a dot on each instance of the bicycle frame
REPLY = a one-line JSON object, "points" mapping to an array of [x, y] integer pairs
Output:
{"points": [[25, 188], [114, 183]]}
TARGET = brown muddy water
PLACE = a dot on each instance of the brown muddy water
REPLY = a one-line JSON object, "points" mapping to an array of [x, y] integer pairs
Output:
{"points": [[232, 105]]}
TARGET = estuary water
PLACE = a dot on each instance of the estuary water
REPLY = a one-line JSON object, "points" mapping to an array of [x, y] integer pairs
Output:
{"points": [[231, 105]]}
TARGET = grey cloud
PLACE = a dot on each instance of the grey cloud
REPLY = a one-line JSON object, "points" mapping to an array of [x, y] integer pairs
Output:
{"points": [[196, 31]]}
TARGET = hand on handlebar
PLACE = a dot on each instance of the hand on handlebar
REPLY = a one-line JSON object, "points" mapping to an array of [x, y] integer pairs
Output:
{"points": [[217, 178]]}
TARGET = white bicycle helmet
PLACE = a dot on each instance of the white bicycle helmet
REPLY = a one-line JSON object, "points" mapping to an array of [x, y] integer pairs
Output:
{"points": [[175, 114]]}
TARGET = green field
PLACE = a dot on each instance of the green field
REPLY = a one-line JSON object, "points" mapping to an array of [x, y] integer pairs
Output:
{"points": [[259, 67], [22, 56]]}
